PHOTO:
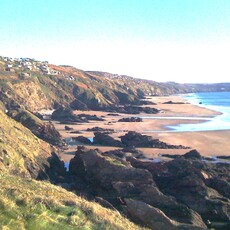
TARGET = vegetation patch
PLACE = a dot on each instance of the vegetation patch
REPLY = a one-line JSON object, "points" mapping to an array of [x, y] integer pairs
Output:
{"points": [[29, 204]]}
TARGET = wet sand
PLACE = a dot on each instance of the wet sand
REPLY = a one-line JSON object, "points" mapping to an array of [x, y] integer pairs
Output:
{"points": [[208, 143]]}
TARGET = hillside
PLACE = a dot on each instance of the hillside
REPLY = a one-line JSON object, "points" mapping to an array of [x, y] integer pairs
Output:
{"points": [[21, 152], [29, 204], [38, 85]]}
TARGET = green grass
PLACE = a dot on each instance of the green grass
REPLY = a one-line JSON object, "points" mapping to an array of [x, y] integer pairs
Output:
{"points": [[33, 205], [18, 145]]}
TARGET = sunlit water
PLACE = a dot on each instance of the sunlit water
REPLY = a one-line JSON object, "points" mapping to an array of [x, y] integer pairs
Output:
{"points": [[218, 101]]}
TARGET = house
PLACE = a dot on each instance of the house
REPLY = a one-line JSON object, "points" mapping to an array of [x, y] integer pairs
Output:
{"points": [[24, 75]]}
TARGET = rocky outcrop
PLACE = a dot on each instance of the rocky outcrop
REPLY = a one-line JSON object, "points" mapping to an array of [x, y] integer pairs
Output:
{"points": [[129, 109], [47, 132], [116, 180], [138, 140], [68, 128], [83, 140], [130, 119], [104, 139], [173, 102], [99, 129], [66, 115], [193, 154], [78, 105], [44, 130], [125, 152], [200, 185], [90, 117], [154, 217]]}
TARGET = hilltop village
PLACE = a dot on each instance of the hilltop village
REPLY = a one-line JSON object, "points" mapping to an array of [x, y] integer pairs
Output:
{"points": [[26, 67]]}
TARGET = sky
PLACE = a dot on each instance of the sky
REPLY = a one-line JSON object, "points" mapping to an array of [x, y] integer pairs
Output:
{"points": [[184, 41]]}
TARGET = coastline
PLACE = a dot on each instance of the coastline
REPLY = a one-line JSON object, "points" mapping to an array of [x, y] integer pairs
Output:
{"points": [[209, 143]]}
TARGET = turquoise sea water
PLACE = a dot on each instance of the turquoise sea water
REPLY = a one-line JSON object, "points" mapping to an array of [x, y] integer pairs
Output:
{"points": [[218, 101]]}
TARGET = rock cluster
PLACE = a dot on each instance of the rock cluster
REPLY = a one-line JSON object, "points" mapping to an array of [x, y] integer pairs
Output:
{"points": [[130, 119], [83, 140], [99, 129], [169, 195], [201, 186], [67, 116], [44, 130], [104, 139], [173, 102], [130, 109], [135, 139]]}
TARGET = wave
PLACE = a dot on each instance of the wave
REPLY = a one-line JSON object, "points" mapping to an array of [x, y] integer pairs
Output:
{"points": [[216, 101]]}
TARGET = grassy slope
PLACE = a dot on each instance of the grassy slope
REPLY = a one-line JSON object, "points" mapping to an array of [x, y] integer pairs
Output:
{"points": [[19, 146], [29, 204]]}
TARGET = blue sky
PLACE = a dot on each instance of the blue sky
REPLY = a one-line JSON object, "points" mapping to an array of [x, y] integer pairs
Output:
{"points": [[162, 40]]}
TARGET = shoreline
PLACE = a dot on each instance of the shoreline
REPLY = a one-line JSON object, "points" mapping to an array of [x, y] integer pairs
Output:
{"points": [[216, 123], [208, 143]]}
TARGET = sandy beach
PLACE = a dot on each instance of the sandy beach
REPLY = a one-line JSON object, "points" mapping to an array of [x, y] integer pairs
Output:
{"points": [[208, 143]]}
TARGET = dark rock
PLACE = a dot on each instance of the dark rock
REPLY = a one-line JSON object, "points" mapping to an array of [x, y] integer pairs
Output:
{"points": [[190, 182], [44, 130], [38, 115], [129, 109], [117, 153], [135, 152], [130, 119], [66, 115], [78, 105], [154, 217], [154, 168], [48, 133], [62, 114], [170, 155], [224, 157], [90, 117], [193, 154], [83, 140], [172, 102], [144, 102], [124, 153], [56, 169], [76, 132], [138, 140], [111, 178], [113, 114], [99, 129], [104, 171], [104, 203], [221, 185], [51, 168], [104, 139], [68, 128]]}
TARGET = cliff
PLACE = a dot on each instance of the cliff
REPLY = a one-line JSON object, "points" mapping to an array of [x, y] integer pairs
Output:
{"points": [[38, 85]]}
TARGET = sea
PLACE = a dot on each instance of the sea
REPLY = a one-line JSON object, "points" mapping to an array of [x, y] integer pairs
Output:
{"points": [[218, 101]]}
